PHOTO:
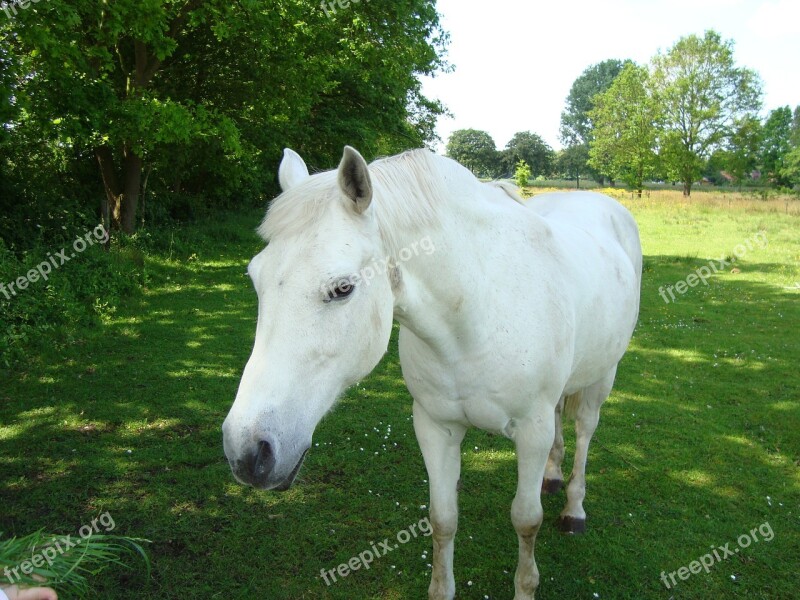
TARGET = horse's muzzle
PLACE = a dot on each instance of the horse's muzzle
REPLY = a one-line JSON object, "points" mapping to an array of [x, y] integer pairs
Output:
{"points": [[257, 469]]}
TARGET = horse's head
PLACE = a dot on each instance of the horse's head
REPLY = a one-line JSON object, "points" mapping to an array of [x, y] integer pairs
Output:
{"points": [[325, 307]]}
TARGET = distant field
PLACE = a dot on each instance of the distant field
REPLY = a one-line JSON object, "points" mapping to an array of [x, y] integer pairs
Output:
{"points": [[697, 446], [701, 197]]}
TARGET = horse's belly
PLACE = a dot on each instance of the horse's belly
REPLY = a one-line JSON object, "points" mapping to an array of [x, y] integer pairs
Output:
{"points": [[603, 329], [485, 388]]}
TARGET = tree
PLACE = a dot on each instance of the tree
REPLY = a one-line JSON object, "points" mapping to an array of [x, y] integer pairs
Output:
{"points": [[8, 113], [94, 72], [531, 148], [740, 155], [742, 148], [791, 166], [576, 123], [626, 120], [703, 95], [209, 91], [716, 165], [776, 145], [475, 150], [522, 173], [373, 93], [571, 162], [7, 109], [796, 127]]}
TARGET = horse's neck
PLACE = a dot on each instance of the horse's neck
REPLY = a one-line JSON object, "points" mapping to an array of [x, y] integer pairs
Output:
{"points": [[435, 287]]}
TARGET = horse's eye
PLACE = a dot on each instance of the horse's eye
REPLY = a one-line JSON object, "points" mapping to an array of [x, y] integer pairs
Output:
{"points": [[339, 290]]}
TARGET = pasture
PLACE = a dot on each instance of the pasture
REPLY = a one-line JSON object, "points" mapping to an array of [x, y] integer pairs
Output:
{"points": [[697, 447]]}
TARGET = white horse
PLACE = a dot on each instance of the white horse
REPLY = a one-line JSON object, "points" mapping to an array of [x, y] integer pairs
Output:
{"points": [[515, 308]]}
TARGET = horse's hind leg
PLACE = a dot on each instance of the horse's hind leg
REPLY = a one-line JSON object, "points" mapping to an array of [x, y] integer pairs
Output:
{"points": [[553, 477], [587, 414]]}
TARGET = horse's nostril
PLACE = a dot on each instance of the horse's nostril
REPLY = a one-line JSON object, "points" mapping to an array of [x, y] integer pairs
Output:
{"points": [[265, 459]]}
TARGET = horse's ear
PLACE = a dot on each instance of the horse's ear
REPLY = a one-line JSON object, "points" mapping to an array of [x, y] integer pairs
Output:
{"points": [[292, 170], [354, 179]]}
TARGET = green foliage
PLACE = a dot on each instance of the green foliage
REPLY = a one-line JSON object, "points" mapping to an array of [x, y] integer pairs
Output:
{"points": [[200, 98], [776, 145], [69, 571], [741, 153], [796, 127], [530, 148], [626, 123], [522, 174], [80, 293], [571, 162], [576, 120], [475, 150], [704, 95], [791, 167], [164, 372]]}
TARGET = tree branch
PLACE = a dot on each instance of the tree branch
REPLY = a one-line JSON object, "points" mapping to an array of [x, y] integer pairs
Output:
{"points": [[147, 67]]}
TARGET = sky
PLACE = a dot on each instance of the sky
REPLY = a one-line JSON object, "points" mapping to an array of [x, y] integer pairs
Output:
{"points": [[515, 60]]}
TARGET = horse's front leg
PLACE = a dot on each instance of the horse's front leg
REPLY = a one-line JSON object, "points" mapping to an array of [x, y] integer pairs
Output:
{"points": [[533, 437], [441, 449]]}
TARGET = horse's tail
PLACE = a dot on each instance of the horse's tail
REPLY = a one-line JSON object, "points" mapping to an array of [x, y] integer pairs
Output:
{"points": [[572, 403]]}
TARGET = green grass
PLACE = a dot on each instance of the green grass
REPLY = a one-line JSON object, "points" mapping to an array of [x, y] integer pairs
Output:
{"points": [[697, 445]]}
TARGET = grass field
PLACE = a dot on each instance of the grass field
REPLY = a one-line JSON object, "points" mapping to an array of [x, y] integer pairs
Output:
{"points": [[697, 446]]}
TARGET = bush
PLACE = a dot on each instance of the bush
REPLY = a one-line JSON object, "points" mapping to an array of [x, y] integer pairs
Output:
{"points": [[79, 292], [522, 174]]}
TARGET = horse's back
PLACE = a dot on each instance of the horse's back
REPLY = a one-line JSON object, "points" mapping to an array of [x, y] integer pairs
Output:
{"points": [[594, 213]]}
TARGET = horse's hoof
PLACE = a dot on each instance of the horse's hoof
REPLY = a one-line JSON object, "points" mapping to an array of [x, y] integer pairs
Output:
{"points": [[571, 524], [552, 486]]}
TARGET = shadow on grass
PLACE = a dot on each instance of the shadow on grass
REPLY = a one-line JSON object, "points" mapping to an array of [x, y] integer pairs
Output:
{"points": [[700, 429]]}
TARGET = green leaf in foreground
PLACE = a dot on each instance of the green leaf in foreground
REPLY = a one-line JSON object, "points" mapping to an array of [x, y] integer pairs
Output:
{"points": [[67, 569]]}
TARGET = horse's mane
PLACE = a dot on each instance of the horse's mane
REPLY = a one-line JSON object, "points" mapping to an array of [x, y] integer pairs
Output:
{"points": [[511, 190], [409, 193]]}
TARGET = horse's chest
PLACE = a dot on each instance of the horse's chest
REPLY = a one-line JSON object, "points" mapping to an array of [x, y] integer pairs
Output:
{"points": [[477, 391]]}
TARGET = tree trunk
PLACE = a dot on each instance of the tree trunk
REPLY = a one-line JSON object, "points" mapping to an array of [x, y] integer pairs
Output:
{"points": [[687, 188], [121, 199], [119, 206], [132, 172], [639, 180], [110, 207]]}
